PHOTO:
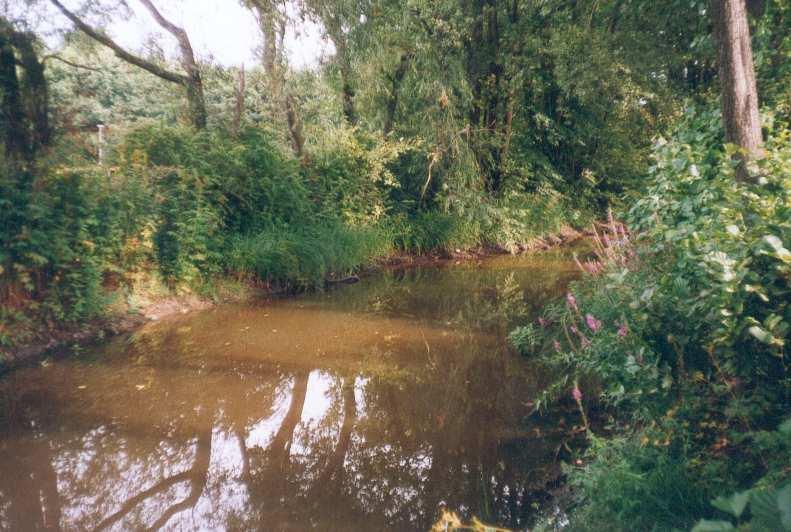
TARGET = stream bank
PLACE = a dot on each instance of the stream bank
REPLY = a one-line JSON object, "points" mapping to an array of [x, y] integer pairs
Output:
{"points": [[129, 312]]}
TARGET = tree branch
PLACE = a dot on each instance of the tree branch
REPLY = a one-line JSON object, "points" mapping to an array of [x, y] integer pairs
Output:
{"points": [[100, 37], [187, 55], [70, 63]]}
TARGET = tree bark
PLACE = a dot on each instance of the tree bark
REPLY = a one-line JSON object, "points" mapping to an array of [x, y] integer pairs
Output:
{"points": [[12, 127], [347, 89], [35, 90], [273, 28], [486, 76], [737, 79], [239, 92], [336, 459]]}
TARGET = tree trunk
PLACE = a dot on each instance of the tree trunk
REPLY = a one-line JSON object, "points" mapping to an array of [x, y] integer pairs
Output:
{"points": [[34, 90], [486, 76], [239, 90], [192, 81], [347, 90], [737, 79], [392, 102], [12, 127], [295, 126], [335, 461], [273, 28]]}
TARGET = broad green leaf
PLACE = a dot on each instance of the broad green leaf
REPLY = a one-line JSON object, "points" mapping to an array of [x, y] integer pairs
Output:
{"points": [[734, 505], [764, 336], [764, 510], [777, 246], [705, 525], [784, 505]]}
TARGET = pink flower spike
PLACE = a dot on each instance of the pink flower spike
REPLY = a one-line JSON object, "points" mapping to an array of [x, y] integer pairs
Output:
{"points": [[576, 394], [572, 301], [593, 324], [623, 330]]}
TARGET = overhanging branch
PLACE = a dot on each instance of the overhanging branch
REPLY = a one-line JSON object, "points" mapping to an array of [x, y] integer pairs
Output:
{"points": [[100, 37]]}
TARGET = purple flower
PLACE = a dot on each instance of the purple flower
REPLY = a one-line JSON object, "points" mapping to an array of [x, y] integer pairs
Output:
{"points": [[576, 394], [623, 330], [572, 301], [574, 329], [592, 322]]}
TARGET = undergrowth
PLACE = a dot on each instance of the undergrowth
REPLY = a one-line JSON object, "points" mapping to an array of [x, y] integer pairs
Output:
{"points": [[190, 208], [680, 331]]}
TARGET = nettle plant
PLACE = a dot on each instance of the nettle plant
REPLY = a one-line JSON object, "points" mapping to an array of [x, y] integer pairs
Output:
{"points": [[726, 240], [694, 305]]}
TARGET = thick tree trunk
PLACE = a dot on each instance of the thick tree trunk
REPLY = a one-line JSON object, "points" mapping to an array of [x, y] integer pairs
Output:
{"points": [[485, 74], [737, 79], [335, 461], [294, 126], [35, 90], [12, 125], [239, 92]]}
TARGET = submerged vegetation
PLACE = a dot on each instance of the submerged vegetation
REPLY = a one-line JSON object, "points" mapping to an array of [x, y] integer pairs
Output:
{"points": [[437, 127]]}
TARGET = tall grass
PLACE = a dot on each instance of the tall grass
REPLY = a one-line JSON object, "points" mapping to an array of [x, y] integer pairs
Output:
{"points": [[304, 257]]}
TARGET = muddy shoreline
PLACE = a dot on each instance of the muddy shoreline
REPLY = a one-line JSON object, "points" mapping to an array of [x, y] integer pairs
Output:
{"points": [[48, 341]]}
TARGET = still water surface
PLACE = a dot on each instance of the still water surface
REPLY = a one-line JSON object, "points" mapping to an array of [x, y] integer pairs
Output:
{"points": [[369, 407]]}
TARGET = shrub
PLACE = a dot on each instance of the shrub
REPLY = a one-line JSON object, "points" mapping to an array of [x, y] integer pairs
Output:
{"points": [[686, 339], [62, 230]]}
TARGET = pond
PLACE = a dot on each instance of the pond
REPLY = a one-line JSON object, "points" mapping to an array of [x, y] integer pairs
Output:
{"points": [[368, 407]]}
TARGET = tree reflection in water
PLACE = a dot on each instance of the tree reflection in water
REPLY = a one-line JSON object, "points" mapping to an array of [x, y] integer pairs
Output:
{"points": [[369, 408]]}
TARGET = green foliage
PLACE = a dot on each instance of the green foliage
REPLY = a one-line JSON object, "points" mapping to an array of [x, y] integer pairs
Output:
{"points": [[63, 230], [765, 506], [634, 486], [687, 339], [351, 175], [304, 257], [434, 230]]}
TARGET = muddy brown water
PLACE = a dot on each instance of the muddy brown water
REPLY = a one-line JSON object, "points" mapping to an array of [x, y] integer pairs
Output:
{"points": [[367, 407]]}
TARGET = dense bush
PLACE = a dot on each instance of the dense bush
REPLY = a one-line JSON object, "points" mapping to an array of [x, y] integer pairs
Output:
{"points": [[63, 230], [686, 332]]}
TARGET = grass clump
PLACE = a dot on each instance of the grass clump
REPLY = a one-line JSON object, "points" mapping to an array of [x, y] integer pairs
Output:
{"points": [[304, 257]]}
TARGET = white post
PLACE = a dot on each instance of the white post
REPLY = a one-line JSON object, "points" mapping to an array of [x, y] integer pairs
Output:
{"points": [[101, 128]]}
